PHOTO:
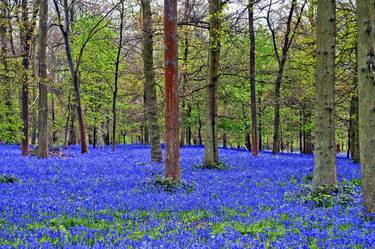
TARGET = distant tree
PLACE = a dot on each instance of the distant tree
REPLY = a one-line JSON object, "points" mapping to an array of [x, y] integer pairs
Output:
{"points": [[325, 150], [150, 84], [366, 87], [172, 157]]}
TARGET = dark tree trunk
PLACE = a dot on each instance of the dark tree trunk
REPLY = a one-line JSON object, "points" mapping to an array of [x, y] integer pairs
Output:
{"points": [[225, 142], [172, 157], [117, 64], [67, 122], [200, 131], [254, 129], [94, 135], [43, 83], [354, 129]]}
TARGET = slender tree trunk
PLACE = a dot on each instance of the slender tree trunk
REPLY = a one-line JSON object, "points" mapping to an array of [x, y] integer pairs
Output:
{"points": [[183, 112], [67, 122], [188, 130], [225, 143], [325, 155], [148, 63], [117, 65], [54, 131], [366, 93], [74, 73], [260, 121], [43, 83], [279, 77], [172, 157], [254, 128], [211, 156], [94, 135], [34, 118], [200, 131]]}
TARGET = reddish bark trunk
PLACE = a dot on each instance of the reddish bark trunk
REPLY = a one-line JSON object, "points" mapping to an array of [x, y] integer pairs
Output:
{"points": [[172, 161]]}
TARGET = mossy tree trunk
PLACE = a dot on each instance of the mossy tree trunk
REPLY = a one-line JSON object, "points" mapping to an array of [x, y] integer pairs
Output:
{"points": [[325, 150], [150, 85], [211, 155], [366, 95]]}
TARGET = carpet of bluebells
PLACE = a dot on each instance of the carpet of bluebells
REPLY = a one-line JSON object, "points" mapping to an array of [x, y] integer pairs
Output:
{"points": [[112, 200]]}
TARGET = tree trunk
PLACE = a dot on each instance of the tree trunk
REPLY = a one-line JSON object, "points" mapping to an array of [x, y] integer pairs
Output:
{"points": [[366, 93], [254, 129], [188, 128], [211, 156], [200, 131], [117, 65], [172, 160], [225, 142], [354, 129], [325, 151], [54, 131], [43, 82], [72, 130]]}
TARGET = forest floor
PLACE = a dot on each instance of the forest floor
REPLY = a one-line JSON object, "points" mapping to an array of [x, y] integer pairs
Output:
{"points": [[118, 200]]}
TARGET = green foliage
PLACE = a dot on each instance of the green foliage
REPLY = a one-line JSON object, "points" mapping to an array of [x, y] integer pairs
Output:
{"points": [[344, 194], [8, 179], [170, 185], [218, 166]]}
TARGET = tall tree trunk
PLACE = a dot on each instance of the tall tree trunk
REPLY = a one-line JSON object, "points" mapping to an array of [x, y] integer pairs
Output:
{"points": [[43, 83], [211, 156], [26, 37], [354, 129], [67, 122], [148, 63], [254, 129], [325, 155], [172, 157], [117, 65], [366, 93]]}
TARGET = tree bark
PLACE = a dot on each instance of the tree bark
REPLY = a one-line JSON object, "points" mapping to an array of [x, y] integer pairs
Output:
{"points": [[148, 64], [172, 160], [324, 174], [366, 93], [117, 65], [43, 82], [211, 156], [254, 129]]}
